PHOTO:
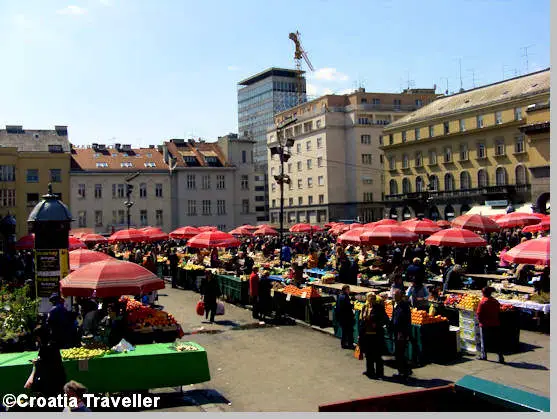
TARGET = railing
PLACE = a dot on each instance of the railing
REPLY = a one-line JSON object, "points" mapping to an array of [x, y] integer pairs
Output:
{"points": [[457, 193], [380, 107]]}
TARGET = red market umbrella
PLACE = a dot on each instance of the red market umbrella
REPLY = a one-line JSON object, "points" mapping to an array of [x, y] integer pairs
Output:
{"points": [[241, 231], [495, 217], [213, 239], [250, 227], [443, 223], [339, 229], [110, 278], [304, 228], [328, 225], [265, 231], [93, 238], [388, 234], [531, 252], [351, 236], [476, 223], [539, 215], [386, 221], [74, 243], [369, 225], [82, 257], [517, 219], [544, 225], [184, 233], [424, 226], [207, 228], [155, 234], [132, 235], [455, 237], [25, 242], [355, 225]]}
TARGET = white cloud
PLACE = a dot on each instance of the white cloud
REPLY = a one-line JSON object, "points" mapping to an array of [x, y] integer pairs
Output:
{"points": [[329, 74], [72, 10], [233, 68]]}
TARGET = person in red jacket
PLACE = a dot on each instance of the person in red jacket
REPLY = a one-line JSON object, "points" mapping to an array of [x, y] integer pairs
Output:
{"points": [[488, 318], [254, 291]]}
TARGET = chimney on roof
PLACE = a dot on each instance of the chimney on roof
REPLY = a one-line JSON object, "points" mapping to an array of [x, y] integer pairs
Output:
{"points": [[61, 129], [151, 146], [117, 146]]}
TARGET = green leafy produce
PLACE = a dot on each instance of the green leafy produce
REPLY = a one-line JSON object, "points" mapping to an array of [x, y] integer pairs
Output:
{"points": [[18, 312]]}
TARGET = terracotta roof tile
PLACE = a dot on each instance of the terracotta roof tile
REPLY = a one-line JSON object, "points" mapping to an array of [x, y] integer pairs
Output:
{"points": [[109, 160]]}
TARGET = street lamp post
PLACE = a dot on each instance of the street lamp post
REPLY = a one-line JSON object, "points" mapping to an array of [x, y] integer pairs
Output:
{"points": [[129, 203], [282, 151]]}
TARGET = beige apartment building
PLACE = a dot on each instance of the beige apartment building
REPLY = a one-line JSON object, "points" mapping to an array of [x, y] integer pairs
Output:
{"points": [[98, 188], [336, 167]]}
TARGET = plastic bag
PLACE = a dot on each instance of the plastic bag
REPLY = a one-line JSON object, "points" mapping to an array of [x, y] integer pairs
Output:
{"points": [[200, 308], [123, 346], [220, 308], [358, 353]]}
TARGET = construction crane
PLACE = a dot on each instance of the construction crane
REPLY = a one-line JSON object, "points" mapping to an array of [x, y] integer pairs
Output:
{"points": [[299, 53]]}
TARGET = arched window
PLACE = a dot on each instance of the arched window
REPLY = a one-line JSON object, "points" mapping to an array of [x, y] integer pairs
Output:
{"points": [[419, 184], [500, 176], [449, 182], [393, 187], [465, 181], [142, 190], [521, 175], [434, 182], [406, 188], [483, 180]]}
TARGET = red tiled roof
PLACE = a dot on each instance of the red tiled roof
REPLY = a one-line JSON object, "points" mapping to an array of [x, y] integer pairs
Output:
{"points": [[136, 159], [199, 150]]}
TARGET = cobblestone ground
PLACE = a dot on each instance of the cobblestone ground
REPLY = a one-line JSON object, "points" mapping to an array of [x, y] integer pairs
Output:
{"points": [[297, 368]]}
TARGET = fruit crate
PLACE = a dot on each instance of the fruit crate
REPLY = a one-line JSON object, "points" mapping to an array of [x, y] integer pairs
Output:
{"points": [[233, 289]]}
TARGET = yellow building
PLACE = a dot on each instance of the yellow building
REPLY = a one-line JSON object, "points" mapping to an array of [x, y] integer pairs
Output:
{"points": [[29, 161], [471, 149]]}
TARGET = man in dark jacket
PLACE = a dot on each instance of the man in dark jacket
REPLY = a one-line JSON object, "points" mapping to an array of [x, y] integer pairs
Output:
{"points": [[401, 326], [345, 318], [416, 271], [173, 264]]}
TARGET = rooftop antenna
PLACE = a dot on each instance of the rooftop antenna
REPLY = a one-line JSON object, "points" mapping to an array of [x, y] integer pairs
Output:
{"points": [[525, 55], [460, 74], [410, 83], [473, 77], [447, 84]]}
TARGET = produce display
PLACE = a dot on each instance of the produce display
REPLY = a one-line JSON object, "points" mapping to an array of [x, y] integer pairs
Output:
{"points": [[140, 316], [192, 267], [419, 317], [328, 278], [469, 302], [310, 292], [452, 300], [18, 313], [86, 352], [506, 307], [184, 347]]}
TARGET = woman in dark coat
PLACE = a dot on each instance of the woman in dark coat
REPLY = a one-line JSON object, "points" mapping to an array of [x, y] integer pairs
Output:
{"points": [[210, 291], [371, 340]]}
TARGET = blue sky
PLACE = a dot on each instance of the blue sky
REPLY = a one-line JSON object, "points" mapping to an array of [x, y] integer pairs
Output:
{"points": [[140, 72]]}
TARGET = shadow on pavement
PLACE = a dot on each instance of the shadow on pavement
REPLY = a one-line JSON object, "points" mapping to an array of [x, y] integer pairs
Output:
{"points": [[418, 382], [457, 361], [227, 323], [526, 347], [526, 366]]}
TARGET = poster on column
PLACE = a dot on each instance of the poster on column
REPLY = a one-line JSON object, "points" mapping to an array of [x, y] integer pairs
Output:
{"points": [[47, 272]]}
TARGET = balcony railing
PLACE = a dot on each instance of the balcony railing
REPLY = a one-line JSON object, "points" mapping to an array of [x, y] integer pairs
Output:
{"points": [[460, 193], [370, 107]]}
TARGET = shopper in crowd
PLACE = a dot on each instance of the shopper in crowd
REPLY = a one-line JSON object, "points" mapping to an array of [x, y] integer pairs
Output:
{"points": [[416, 271], [543, 284], [452, 277], [286, 253], [345, 317], [398, 284], [488, 318], [60, 322], [76, 390], [401, 326], [172, 258], [417, 294], [265, 301], [214, 258], [210, 291], [254, 291], [371, 338]]}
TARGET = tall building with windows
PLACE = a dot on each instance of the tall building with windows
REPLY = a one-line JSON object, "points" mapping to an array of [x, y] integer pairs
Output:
{"points": [[260, 97], [29, 161], [486, 147], [336, 165], [98, 188]]}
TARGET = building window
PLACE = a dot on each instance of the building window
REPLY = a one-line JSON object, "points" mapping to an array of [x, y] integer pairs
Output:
{"points": [[55, 175], [419, 160], [143, 190], [434, 183], [308, 126], [98, 218], [321, 180], [319, 161], [206, 182], [482, 178], [114, 196], [391, 141], [498, 117], [298, 129], [419, 184], [417, 134], [206, 207], [300, 200], [365, 139], [309, 164], [221, 207], [101, 164], [150, 164], [32, 175], [501, 176], [299, 183], [321, 199], [405, 161], [367, 180], [318, 123], [462, 124], [244, 156], [479, 121], [121, 215], [289, 167], [158, 218], [298, 148], [245, 206], [366, 159], [481, 151], [465, 180], [363, 121], [403, 136], [397, 103], [310, 200], [519, 144], [143, 218], [244, 182], [220, 182], [500, 147], [381, 159], [190, 181], [299, 164], [517, 114], [393, 187], [192, 207], [290, 202], [273, 203], [121, 190], [32, 199], [449, 182], [463, 152], [375, 101], [392, 163], [521, 176], [445, 127], [126, 164], [406, 188], [98, 191], [319, 143], [380, 140], [431, 131], [419, 103], [368, 196], [82, 219], [448, 155], [308, 146], [7, 173], [310, 182], [158, 190], [432, 157]]}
